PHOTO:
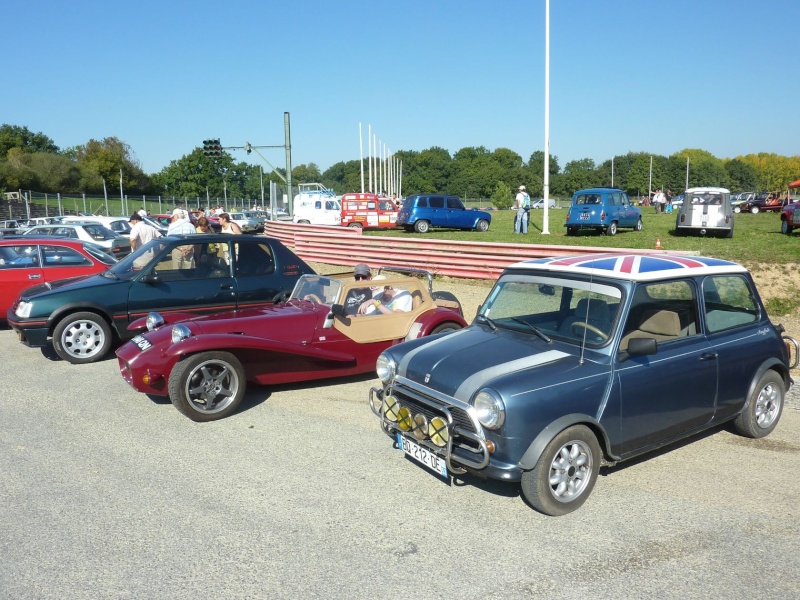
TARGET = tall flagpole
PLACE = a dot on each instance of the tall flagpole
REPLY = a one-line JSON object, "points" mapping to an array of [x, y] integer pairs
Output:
{"points": [[361, 155], [545, 225]]}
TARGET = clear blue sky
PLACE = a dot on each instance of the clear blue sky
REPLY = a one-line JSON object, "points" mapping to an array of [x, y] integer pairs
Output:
{"points": [[626, 75]]}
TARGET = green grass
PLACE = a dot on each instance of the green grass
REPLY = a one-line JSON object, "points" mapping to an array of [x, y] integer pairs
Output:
{"points": [[757, 239]]}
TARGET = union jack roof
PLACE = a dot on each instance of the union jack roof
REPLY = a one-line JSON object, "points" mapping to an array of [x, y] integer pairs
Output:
{"points": [[633, 267]]}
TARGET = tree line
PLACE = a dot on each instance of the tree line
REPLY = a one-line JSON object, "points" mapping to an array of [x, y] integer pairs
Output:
{"points": [[33, 161]]}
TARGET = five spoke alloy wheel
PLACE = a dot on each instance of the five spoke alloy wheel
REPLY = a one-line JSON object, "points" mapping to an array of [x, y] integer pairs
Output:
{"points": [[207, 386]]}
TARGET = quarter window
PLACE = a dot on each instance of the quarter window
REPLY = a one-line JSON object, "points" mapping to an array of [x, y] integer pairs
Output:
{"points": [[437, 202], [729, 302]]}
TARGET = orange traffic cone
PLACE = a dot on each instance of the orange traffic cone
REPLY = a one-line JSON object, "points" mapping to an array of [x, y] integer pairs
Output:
{"points": [[658, 243]]}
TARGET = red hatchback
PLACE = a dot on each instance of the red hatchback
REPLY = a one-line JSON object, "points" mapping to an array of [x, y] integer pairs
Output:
{"points": [[28, 261]]}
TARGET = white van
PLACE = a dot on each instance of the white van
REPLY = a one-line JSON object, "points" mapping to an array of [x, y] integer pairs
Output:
{"points": [[316, 205]]}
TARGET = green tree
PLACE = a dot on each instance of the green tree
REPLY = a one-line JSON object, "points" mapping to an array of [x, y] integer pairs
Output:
{"points": [[14, 136], [107, 157], [579, 174], [55, 173], [502, 196], [742, 177]]}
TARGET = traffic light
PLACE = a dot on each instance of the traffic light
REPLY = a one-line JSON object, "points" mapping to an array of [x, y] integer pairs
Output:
{"points": [[212, 148]]}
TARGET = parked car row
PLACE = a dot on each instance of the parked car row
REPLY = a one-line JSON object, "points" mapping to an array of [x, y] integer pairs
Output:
{"points": [[571, 363]]}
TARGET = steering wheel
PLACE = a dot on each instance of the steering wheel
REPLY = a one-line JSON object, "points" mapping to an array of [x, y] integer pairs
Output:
{"points": [[313, 298], [281, 297], [583, 325]]}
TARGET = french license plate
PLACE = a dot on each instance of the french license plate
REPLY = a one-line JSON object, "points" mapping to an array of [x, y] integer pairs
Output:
{"points": [[421, 455], [584, 216], [142, 342]]}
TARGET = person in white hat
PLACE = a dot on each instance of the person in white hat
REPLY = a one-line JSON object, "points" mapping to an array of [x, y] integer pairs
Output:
{"points": [[523, 206], [182, 256]]}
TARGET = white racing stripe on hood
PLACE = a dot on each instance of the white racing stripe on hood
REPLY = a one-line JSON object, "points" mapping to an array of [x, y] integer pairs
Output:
{"points": [[477, 380], [401, 368]]}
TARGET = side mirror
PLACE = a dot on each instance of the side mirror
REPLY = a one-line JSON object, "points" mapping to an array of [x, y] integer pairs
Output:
{"points": [[639, 347], [337, 310], [151, 278]]}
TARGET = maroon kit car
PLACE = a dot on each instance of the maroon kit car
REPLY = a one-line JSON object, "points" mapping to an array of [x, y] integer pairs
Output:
{"points": [[203, 364]]}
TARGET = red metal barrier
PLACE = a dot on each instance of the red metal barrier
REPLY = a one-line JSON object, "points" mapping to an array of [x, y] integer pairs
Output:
{"points": [[472, 260]]}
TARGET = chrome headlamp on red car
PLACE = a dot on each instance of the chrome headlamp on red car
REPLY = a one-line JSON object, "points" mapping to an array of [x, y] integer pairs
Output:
{"points": [[154, 321], [180, 332]]}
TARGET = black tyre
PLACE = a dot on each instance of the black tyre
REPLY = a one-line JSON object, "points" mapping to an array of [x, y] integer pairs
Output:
{"points": [[612, 228], [422, 226], [355, 225], [764, 407], [207, 386], [82, 337], [639, 225], [482, 225], [446, 328], [785, 227], [571, 231], [566, 472], [754, 210]]}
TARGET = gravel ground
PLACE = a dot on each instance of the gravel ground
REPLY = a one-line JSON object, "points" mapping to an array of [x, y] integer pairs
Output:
{"points": [[472, 292]]}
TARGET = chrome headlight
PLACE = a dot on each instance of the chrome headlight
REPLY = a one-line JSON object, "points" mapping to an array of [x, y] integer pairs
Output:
{"points": [[154, 321], [386, 368], [180, 332], [490, 408], [24, 309]]}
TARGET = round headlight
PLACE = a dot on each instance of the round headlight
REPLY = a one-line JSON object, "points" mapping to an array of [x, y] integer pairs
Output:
{"points": [[490, 408], [386, 368], [154, 321], [180, 332]]}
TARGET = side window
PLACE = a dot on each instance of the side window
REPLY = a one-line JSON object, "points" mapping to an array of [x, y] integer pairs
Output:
{"points": [[662, 311], [371, 205], [61, 256], [254, 259], [729, 302], [19, 257], [318, 205], [614, 199], [455, 203], [179, 264], [436, 202], [422, 202]]}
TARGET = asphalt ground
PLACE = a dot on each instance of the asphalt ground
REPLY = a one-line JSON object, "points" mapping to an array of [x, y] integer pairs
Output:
{"points": [[107, 493]]}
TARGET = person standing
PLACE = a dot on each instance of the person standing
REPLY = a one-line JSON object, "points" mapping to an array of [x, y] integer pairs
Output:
{"points": [[523, 206], [228, 226], [182, 256], [659, 201], [141, 232]]}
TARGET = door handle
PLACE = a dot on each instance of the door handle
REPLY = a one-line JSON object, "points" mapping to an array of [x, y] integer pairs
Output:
{"points": [[32, 276], [708, 356], [226, 286]]}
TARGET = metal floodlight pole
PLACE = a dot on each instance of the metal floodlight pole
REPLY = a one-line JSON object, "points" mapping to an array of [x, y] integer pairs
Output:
{"points": [[287, 131]]}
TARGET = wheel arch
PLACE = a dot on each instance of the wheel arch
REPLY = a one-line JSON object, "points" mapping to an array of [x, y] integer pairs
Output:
{"points": [[772, 364], [67, 309], [546, 435]]}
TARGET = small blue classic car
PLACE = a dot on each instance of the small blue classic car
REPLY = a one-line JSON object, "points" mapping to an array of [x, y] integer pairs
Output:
{"points": [[423, 211], [573, 363], [602, 210]]}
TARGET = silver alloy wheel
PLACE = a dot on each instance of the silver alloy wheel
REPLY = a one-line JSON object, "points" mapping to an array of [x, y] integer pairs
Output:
{"points": [[83, 338], [211, 386], [570, 471], [768, 405]]}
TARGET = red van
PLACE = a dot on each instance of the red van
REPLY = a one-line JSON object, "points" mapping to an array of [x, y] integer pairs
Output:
{"points": [[368, 211]]}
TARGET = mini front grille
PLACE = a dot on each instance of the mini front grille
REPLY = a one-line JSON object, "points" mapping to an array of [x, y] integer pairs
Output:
{"points": [[435, 407]]}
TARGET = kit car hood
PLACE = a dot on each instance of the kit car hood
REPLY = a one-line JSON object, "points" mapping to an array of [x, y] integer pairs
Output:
{"points": [[441, 363]]}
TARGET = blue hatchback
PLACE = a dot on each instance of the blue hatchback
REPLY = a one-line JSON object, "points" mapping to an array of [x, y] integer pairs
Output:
{"points": [[604, 210], [420, 212]]}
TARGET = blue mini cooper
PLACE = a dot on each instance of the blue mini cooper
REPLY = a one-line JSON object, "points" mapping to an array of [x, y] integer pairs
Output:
{"points": [[573, 363]]}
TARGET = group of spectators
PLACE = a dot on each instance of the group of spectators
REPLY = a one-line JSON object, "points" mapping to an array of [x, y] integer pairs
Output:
{"points": [[183, 257], [375, 299]]}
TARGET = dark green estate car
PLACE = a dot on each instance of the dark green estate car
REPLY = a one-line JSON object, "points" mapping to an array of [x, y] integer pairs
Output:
{"points": [[176, 275]]}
